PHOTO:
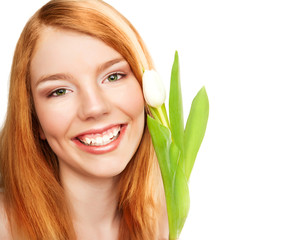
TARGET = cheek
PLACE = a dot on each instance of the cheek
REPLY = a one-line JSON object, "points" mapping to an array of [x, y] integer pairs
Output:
{"points": [[132, 101], [53, 120]]}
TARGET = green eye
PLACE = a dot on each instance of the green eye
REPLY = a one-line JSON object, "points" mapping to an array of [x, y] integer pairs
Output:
{"points": [[114, 77], [59, 92]]}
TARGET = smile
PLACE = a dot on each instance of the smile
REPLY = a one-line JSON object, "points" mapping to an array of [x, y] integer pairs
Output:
{"points": [[101, 139]]}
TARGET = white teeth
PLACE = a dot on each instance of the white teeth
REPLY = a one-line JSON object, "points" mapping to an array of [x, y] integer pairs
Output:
{"points": [[88, 141], [105, 138], [111, 135], [99, 140], [102, 139], [115, 131]]}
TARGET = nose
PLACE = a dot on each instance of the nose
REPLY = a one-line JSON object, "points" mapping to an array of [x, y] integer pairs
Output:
{"points": [[93, 104]]}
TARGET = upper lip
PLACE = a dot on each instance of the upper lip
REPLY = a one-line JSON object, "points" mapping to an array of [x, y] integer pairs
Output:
{"points": [[98, 130]]}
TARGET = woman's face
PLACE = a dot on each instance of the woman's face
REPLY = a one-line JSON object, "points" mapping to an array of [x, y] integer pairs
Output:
{"points": [[88, 102]]}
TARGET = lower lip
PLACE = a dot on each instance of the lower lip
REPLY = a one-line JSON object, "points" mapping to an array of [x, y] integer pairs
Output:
{"points": [[102, 149]]}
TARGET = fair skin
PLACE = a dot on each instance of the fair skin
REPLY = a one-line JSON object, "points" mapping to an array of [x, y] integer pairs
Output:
{"points": [[91, 112]]}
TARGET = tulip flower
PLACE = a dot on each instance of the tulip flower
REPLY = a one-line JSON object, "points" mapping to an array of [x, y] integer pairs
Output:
{"points": [[176, 148], [154, 90], [155, 95]]}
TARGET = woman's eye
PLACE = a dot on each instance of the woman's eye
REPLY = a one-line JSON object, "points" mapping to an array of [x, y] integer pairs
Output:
{"points": [[114, 77], [59, 92]]}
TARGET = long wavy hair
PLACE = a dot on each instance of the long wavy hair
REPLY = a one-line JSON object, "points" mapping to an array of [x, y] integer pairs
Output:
{"points": [[33, 195]]}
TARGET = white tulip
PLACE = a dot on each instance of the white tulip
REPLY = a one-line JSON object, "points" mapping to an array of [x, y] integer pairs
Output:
{"points": [[153, 89]]}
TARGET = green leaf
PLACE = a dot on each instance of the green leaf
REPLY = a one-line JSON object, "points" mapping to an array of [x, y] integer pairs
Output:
{"points": [[175, 105], [161, 139], [195, 129], [175, 155], [178, 203], [174, 180]]}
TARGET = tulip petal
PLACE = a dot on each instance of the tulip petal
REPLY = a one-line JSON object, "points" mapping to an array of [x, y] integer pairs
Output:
{"points": [[153, 88]]}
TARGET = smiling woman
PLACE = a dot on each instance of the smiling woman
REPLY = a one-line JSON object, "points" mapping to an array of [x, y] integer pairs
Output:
{"points": [[84, 114], [76, 158]]}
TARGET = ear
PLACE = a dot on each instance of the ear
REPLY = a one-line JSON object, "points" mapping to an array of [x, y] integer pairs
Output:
{"points": [[41, 134]]}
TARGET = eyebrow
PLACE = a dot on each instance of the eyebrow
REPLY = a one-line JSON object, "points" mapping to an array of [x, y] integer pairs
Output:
{"points": [[108, 64], [66, 76]]}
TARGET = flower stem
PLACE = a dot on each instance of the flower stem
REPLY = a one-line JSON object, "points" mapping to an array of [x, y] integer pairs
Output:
{"points": [[163, 117]]}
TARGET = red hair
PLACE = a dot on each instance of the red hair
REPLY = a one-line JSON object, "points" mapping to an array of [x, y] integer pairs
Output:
{"points": [[34, 198]]}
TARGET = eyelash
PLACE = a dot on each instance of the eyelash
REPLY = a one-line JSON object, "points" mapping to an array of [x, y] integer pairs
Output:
{"points": [[54, 93], [65, 91], [119, 76]]}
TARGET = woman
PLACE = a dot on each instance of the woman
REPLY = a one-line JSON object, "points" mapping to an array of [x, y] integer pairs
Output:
{"points": [[76, 157]]}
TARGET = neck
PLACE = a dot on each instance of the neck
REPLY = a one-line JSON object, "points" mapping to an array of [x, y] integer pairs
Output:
{"points": [[93, 204]]}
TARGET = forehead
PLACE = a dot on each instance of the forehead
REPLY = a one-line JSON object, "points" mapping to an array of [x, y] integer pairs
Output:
{"points": [[59, 50]]}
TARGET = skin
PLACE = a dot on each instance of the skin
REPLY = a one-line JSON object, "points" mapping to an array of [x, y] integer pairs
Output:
{"points": [[82, 69]]}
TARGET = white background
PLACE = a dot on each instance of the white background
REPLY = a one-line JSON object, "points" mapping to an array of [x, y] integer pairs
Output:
{"points": [[245, 181]]}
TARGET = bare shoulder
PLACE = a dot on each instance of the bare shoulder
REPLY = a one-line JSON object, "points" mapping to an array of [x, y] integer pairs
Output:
{"points": [[4, 226]]}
